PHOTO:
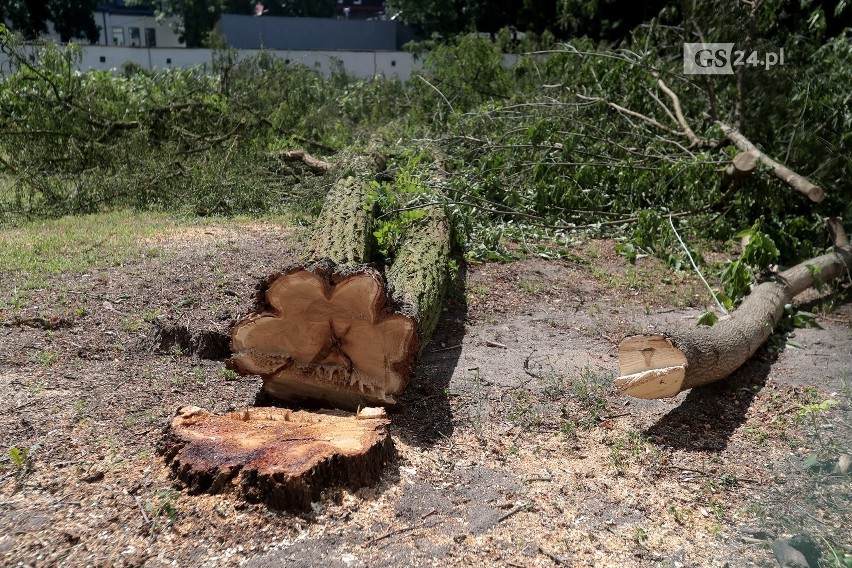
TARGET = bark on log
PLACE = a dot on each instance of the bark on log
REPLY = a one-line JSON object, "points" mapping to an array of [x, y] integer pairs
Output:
{"points": [[331, 330], [419, 275], [343, 232], [664, 364], [314, 164], [782, 172], [277, 456]]}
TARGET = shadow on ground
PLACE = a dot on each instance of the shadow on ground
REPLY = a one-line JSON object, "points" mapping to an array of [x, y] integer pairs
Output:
{"points": [[709, 415], [425, 415]]}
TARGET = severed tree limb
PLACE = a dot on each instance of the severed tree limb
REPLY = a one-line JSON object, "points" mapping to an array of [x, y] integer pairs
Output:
{"points": [[782, 172], [681, 119], [661, 365], [418, 277], [633, 113], [333, 328], [314, 164], [836, 232]]}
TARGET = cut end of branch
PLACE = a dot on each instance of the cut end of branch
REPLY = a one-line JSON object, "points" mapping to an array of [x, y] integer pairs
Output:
{"points": [[654, 383], [814, 193], [745, 162], [650, 366]]}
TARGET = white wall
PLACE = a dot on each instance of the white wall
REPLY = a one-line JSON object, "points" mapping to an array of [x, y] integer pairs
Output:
{"points": [[361, 64]]}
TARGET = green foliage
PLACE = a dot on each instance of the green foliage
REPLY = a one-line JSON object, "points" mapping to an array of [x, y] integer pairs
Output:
{"points": [[739, 275], [538, 148], [19, 457]]}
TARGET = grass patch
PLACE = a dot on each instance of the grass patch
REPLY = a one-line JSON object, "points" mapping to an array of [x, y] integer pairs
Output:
{"points": [[74, 244]]}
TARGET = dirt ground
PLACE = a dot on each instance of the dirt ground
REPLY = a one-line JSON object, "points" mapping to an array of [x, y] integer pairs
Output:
{"points": [[512, 447]]}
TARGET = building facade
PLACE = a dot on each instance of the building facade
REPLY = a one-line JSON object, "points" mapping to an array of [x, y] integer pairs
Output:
{"points": [[133, 26]]}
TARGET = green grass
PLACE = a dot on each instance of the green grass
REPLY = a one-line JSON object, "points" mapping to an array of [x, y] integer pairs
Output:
{"points": [[75, 244]]}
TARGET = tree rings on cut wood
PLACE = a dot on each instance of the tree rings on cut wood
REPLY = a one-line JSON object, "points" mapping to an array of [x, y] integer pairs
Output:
{"points": [[277, 456], [326, 333]]}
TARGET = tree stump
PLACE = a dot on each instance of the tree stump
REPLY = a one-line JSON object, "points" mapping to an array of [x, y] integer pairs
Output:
{"points": [[277, 456]]}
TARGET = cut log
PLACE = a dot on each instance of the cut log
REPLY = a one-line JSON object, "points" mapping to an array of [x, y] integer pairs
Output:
{"points": [[330, 330], [782, 172], [277, 456], [663, 364], [316, 165], [741, 167]]}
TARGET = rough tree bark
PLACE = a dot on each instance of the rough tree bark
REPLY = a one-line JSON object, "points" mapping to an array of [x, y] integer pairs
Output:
{"points": [[277, 456], [418, 277], [663, 364], [782, 172], [331, 329]]}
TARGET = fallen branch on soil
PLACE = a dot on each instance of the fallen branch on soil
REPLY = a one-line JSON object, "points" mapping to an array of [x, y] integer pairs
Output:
{"points": [[660, 365], [782, 172]]}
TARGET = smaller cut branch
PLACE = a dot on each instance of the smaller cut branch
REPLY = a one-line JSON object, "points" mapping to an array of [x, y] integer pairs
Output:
{"points": [[742, 166], [681, 119], [314, 164], [782, 172], [661, 365]]}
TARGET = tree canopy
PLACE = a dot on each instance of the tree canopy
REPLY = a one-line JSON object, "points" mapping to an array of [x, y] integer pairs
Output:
{"points": [[71, 18], [607, 20]]}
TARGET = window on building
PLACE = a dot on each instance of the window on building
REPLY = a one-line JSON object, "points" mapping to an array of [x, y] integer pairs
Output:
{"points": [[150, 37], [135, 37], [118, 36]]}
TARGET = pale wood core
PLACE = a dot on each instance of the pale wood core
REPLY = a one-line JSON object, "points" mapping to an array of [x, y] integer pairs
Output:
{"points": [[650, 367], [335, 341]]}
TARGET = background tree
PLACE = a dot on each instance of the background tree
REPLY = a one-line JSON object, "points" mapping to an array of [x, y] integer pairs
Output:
{"points": [[74, 19], [71, 18]]}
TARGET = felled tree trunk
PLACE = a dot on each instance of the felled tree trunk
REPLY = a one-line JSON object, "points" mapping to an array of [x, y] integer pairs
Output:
{"points": [[782, 172], [328, 329], [418, 277], [663, 364], [277, 456]]}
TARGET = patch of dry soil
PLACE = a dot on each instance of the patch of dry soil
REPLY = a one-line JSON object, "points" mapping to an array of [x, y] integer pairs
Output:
{"points": [[512, 448]]}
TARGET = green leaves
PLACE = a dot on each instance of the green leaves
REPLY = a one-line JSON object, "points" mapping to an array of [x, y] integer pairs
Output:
{"points": [[758, 254]]}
